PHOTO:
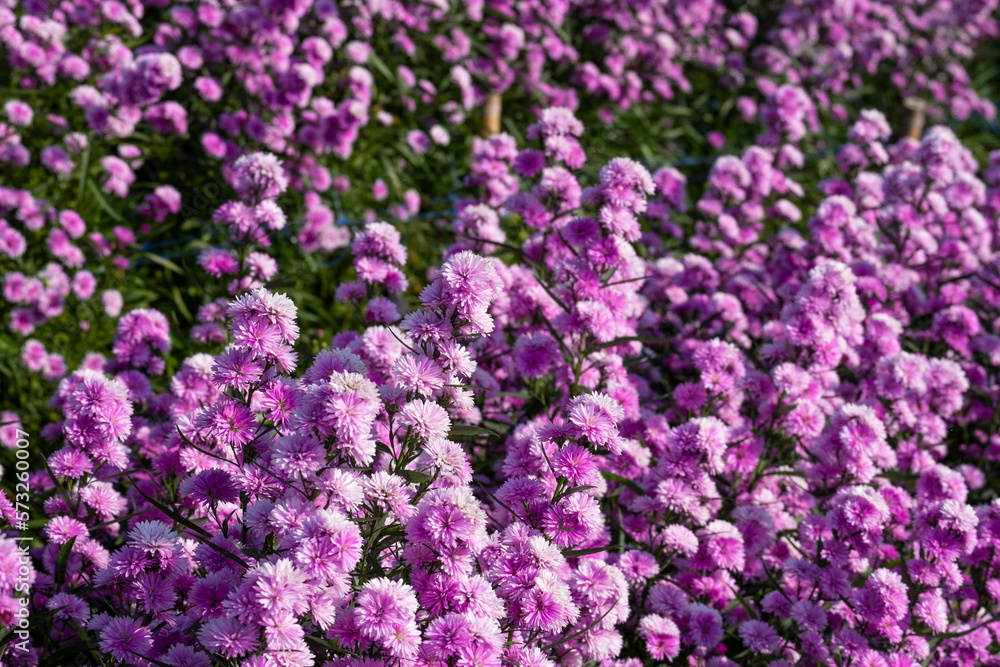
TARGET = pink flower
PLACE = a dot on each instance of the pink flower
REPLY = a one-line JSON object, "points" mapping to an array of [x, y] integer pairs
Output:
{"points": [[380, 190], [211, 486], [125, 638], [419, 374], [661, 635], [418, 141], [112, 301], [228, 422], [595, 417], [33, 355], [84, 285], [18, 113], [62, 529], [572, 520], [703, 625], [759, 637], [209, 88], [260, 176], [228, 637], [238, 368], [427, 419], [382, 606], [218, 262], [10, 424]]}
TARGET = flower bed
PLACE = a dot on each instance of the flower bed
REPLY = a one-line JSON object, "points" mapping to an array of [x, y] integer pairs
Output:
{"points": [[286, 393]]}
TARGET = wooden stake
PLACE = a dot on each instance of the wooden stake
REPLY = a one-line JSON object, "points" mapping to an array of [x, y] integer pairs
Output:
{"points": [[492, 109], [912, 121]]}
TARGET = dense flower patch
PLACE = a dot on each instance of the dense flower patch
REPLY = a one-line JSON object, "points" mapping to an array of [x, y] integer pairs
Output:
{"points": [[571, 411], [727, 439], [122, 122]]}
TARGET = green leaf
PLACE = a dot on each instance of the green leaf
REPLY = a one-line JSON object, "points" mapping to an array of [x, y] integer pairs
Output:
{"points": [[84, 168], [570, 491], [414, 476], [627, 339], [152, 660], [381, 66], [62, 558], [388, 542], [494, 498], [173, 514], [743, 602], [521, 393], [179, 300], [162, 261], [469, 431], [193, 526], [675, 109], [392, 174], [612, 477], [475, 387], [104, 202], [66, 650], [499, 427], [572, 553]]}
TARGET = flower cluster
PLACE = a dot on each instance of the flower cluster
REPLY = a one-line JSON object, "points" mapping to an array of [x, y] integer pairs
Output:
{"points": [[42, 234], [289, 488], [140, 134], [379, 257], [615, 430]]}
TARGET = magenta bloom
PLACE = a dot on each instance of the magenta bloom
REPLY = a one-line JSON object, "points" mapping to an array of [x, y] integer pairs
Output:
{"points": [[278, 400], [18, 113], [229, 423], [10, 424], [380, 190], [759, 637], [34, 355], [595, 417], [112, 300], [228, 636], [218, 262], [418, 141], [419, 374], [62, 529], [211, 486], [383, 606], [237, 368], [260, 176], [125, 639], [661, 635]]}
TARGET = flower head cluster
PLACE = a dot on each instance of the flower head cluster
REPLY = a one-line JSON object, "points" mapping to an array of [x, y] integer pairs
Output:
{"points": [[586, 450]]}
